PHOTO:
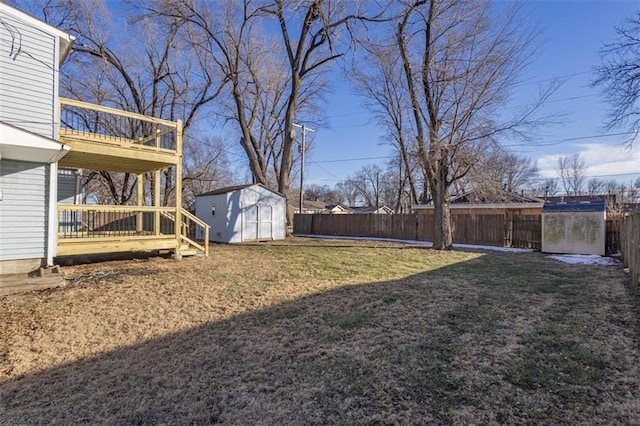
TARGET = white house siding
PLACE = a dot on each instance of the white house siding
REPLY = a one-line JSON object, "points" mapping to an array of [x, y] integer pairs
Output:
{"points": [[23, 210], [27, 76]]}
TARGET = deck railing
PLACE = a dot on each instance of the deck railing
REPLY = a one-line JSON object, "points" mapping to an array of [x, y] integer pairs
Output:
{"points": [[89, 222], [89, 121], [97, 221]]}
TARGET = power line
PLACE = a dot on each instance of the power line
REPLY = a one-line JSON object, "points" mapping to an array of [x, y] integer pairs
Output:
{"points": [[577, 138], [590, 176], [347, 115], [325, 170], [552, 78], [352, 159]]}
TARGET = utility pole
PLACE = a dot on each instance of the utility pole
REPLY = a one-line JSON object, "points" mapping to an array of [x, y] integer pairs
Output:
{"points": [[377, 191], [302, 150]]}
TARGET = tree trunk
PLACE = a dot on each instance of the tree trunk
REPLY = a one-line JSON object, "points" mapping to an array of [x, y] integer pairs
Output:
{"points": [[287, 146], [443, 235]]}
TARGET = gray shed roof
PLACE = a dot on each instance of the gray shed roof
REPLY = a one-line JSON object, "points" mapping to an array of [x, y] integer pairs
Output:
{"points": [[585, 206], [227, 189]]}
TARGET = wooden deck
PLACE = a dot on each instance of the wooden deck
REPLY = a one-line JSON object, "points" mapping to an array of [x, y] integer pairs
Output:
{"points": [[93, 229], [90, 151], [109, 139], [94, 245], [103, 138]]}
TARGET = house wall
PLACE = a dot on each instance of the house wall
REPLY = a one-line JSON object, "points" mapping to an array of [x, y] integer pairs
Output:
{"points": [[23, 215], [28, 76], [574, 232]]}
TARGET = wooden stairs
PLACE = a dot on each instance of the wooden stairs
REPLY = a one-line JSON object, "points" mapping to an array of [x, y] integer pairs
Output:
{"points": [[187, 250]]}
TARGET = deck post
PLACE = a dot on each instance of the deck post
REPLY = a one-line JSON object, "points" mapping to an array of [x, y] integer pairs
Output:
{"points": [[178, 217], [156, 201], [140, 195]]}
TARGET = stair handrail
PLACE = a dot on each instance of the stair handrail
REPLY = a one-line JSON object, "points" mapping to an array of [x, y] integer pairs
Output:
{"points": [[203, 247], [204, 225]]}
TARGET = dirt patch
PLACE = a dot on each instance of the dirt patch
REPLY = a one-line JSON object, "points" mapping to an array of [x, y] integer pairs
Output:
{"points": [[318, 332]]}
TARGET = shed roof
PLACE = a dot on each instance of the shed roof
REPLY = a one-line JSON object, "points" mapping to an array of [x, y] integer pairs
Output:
{"points": [[584, 206], [234, 188]]}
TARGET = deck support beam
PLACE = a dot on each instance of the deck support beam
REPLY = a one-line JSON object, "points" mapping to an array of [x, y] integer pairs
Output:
{"points": [[156, 201], [140, 196], [178, 191]]}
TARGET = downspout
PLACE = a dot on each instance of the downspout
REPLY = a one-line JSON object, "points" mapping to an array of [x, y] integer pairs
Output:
{"points": [[52, 222]]}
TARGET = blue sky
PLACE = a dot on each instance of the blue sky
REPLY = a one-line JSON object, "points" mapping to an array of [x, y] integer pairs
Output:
{"points": [[573, 32]]}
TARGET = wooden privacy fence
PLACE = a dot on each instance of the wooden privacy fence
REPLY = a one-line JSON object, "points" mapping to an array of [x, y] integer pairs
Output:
{"points": [[486, 229], [630, 245]]}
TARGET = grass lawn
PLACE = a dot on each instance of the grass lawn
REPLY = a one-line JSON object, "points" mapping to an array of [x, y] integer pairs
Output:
{"points": [[325, 332]]}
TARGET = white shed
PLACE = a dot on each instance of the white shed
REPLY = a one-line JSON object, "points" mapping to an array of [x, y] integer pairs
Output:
{"points": [[243, 213], [574, 228]]}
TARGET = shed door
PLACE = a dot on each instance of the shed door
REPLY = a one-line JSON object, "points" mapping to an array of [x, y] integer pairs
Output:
{"points": [[250, 231], [266, 220]]}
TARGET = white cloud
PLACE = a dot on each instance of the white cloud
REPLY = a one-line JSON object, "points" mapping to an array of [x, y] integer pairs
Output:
{"points": [[601, 160]]}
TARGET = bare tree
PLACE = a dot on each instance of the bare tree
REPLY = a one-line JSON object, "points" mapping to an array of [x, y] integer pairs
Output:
{"points": [[367, 183], [619, 77], [149, 71], [496, 171], [322, 193], [572, 170], [206, 167], [378, 79], [460, 60], [633, 194], [595, 186], [548, 188], [370, 186], [348, 193], [230, 35], [312, 33], [273, 78]]}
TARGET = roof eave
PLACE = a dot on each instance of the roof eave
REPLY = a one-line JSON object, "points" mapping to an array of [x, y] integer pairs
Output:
{"points": [[22, 145]]}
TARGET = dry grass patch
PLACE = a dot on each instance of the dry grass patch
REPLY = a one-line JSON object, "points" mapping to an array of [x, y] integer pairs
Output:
{"points": [[317, 332]]}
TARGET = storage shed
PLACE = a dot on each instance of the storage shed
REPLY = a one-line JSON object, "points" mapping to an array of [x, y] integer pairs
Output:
{"points": [[243, 213], [574, 228]]}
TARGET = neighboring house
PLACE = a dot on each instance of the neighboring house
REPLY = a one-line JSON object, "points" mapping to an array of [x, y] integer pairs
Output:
{"points": [[41, 134], [316, 207], [371, 210], [308, 206], [574, 227], [337, 209], [240, 213], [501, 202]]}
